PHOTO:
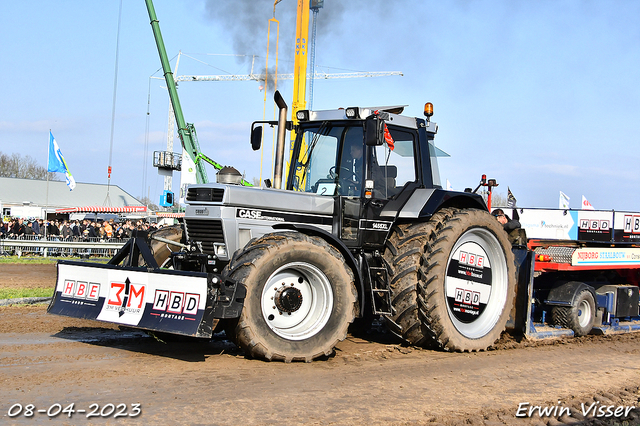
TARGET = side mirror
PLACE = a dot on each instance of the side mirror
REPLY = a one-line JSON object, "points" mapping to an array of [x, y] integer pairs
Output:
{"points": [[373, 131], [256, 138]]}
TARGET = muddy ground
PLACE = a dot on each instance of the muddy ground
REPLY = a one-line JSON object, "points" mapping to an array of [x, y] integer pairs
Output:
{"points": [[47, 360]]}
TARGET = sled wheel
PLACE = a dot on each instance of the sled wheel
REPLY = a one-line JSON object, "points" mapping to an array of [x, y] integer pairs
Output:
{"points": [[468, 280], [579, 318], [300, 298]]}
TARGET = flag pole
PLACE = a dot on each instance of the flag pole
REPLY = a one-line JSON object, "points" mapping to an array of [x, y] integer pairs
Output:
{"points": [[46, 205]]}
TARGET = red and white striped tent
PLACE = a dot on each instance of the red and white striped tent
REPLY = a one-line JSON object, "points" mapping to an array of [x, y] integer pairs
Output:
{"points": [[169, 214], [103, 209]]}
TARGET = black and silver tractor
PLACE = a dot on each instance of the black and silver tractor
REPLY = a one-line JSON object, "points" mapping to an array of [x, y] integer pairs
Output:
{"points": [[358, 227]]}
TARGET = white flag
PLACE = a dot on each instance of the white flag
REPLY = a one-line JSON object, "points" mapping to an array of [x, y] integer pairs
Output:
{"points": [[586, 205], [187, 175], [564, 200], [449, 187]]}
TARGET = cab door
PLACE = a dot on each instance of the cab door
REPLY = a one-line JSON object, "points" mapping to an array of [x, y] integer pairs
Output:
{"points": [[392, 171]]}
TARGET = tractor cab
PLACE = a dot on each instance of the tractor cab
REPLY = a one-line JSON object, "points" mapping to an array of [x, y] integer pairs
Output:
{"points": [[369, 159]]}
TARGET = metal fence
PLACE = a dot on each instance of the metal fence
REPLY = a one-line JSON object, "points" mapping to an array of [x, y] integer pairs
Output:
{"points": [[56, 246]]}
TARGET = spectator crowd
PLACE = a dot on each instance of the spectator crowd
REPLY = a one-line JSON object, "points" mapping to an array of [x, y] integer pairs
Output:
{"points": [[72, 230]]}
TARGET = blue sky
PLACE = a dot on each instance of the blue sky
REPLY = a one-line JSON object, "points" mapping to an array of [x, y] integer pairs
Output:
{"points": [[541, 95]]}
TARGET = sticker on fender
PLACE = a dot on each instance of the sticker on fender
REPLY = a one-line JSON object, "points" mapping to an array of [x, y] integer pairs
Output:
{"points": [[156, 301], [468, 282]]}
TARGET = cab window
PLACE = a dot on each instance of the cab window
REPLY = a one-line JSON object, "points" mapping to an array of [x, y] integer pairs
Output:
{"points": [[392, 168]]}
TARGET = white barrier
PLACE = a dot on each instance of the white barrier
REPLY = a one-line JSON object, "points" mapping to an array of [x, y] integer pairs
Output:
{"points": [[60, 247]]}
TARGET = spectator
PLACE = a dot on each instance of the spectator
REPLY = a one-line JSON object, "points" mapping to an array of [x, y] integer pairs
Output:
{"points": [[28, 230], [75, 231], [99, 230], [66, 231], [108, 229], [18, 229], [36, 227], [508, 223], [91, 230], [53, 230], [517, 235]]}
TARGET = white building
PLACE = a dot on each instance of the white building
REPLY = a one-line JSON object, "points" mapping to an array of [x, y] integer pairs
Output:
{"points": [[29, 198]]}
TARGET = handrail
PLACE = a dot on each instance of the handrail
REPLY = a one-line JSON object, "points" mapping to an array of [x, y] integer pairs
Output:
{"points": [[53, 246]]}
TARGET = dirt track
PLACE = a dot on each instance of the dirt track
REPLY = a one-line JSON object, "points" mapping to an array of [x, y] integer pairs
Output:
{"points": [[46, 360]]}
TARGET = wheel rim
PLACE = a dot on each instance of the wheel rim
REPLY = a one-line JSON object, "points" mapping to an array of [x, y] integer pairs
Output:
{"points": [[476, 283], [584, 314], [297, 301]]}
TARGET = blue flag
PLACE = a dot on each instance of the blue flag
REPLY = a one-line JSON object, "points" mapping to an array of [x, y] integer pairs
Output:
{"points": [[57, 163]]}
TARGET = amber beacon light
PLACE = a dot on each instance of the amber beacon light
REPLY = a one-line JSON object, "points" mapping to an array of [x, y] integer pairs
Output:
{"points": [[428, 109]]}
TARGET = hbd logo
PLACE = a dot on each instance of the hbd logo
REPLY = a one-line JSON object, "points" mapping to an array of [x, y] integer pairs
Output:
{"points": [[631, 224], [467, 297], [594, 224], [471, 259], [176, 302], [126, 297], [81, 290]]}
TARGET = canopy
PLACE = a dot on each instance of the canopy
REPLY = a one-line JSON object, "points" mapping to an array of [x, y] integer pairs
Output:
{"points": [[103, 209], [168, 214]]}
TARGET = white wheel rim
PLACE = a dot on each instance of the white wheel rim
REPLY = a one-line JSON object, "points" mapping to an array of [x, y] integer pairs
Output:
{"points": [[312, 286], [486, 300], [584, 314]]}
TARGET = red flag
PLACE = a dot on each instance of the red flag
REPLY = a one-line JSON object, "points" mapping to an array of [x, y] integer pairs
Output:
{"points": [[387, 137]]}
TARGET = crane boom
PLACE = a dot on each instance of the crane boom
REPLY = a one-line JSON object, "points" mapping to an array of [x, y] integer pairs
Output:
{"points": [[185, 131]]}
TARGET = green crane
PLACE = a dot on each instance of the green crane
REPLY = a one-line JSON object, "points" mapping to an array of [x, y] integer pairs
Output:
{"points": [[186, 131]]}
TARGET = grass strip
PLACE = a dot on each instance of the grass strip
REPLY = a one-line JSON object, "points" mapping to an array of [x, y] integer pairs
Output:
{"points": [[16, 293]]}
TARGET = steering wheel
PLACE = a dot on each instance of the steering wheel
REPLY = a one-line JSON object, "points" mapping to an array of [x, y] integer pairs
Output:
{"points": [[352, 177]]}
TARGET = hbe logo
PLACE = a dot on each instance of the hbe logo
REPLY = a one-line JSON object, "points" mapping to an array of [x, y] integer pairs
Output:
{"points": [[81, 290], [471, 259]]}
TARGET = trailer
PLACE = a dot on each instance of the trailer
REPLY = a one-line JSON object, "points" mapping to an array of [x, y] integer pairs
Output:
{"points": [[581, 272]]}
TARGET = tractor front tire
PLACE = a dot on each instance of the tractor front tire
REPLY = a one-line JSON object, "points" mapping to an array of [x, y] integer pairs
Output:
{"points": [[300, 298], [468, 280]]}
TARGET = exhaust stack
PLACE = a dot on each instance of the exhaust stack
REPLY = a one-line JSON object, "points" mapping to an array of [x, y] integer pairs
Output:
{"points": [[282, 131]]}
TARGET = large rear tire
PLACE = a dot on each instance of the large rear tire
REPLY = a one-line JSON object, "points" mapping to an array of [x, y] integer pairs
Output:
{"points": [[468, 280], [402, 256], [300, 298]]}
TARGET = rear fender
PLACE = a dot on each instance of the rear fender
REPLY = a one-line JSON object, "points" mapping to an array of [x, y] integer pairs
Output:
{"points": [[565, 294], [441, 198]]}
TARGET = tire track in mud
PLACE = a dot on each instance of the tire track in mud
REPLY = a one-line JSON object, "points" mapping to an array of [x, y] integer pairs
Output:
{"points": [[365, 382]]}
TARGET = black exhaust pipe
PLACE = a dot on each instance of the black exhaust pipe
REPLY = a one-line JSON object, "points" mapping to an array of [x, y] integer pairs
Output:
{"points": [[282, 131]]}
